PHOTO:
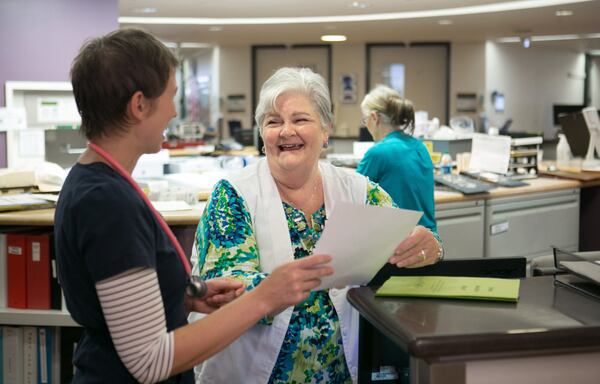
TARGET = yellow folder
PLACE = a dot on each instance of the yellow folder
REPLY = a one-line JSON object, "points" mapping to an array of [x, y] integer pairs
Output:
{"points": [[451, 287]]}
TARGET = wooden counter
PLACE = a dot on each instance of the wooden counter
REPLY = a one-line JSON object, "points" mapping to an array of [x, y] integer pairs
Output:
{"points": [[541, 184], [45, 217]]}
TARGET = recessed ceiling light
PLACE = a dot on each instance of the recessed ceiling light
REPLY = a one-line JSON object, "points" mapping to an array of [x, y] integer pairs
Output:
{"points": [[333, 38], [359, 4], [215, 28], [445, 22], [565, 12], [144, 10]]}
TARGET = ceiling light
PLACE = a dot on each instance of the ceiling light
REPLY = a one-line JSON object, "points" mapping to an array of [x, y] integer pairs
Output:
{"points": [[445, 12], [144, 10], [594, 52], [215, 28], [516, 39], [333, 38], [554, 37], [564, 13], [185, 45], [194, 45], [526, 42], [445, 22], [359, 4]]}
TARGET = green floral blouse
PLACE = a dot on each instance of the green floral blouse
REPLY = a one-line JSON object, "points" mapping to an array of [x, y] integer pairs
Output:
{"points": [[312, 350]]}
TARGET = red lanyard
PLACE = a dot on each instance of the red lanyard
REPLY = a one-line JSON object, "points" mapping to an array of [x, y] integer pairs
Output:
{"points": [[120, 170]]}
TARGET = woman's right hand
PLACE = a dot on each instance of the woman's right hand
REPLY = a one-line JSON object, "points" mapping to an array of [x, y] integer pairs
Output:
{"points": [[291, 283]]}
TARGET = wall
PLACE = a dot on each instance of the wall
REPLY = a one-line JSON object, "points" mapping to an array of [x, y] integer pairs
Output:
{"points": [[532, 80], [40, 38], [347, 59], [595, 81], [235, 78], [467, 75]]}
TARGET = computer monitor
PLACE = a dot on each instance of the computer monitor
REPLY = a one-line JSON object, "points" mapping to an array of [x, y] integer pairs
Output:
{"points": [[575, 129], [559, 109], [582, 130]]}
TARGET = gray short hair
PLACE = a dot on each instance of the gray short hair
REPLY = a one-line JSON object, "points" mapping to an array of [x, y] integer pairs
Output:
{"points": [[301, 80]]}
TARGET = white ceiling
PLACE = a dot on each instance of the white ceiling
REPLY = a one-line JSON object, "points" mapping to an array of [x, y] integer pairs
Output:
{"points": [[472, 27]]}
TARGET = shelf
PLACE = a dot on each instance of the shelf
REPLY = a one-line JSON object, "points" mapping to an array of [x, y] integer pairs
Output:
{"points": [[523, 152], [36, 317]]}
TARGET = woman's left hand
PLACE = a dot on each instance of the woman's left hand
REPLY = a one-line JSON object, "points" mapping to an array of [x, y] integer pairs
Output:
{"points": [[420, 248], [221, 291]]}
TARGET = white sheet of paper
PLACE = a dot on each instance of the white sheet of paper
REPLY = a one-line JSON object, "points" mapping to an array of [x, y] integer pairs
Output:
{"points": [[490, 153], [360, 240]]}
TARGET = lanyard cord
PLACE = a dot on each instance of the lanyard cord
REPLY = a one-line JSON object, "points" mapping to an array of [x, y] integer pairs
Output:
{"points": [[120, 170]]}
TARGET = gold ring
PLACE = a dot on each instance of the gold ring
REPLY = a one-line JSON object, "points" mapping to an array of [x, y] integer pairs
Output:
{"points": [[423, 254]]}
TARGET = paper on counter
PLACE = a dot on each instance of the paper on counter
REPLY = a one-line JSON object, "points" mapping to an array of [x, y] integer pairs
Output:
{"points": [[360, 240]]}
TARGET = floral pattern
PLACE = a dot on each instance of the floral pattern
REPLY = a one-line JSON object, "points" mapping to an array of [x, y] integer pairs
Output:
{"points": [[312, 351]]}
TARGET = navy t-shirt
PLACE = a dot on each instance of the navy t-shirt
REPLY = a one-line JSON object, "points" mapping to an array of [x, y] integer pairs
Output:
{"points": [[102, 228]]}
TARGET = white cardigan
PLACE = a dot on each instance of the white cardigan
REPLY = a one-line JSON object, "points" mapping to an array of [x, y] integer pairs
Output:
{"points": [[251, 358]]}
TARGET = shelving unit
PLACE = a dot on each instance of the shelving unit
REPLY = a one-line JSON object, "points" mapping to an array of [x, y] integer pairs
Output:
{"points": [[36, 317], [523, 161]]}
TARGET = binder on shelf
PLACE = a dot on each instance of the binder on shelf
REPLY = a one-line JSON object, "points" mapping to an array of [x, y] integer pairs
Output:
{"points": [[38, 271], [3, 260], [56, 297], [30, 346], [12, 359], [45, 352], [16, 270]]}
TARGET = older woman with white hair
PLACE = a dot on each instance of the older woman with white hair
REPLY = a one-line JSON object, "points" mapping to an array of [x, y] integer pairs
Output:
{"points": [[274, 211]]}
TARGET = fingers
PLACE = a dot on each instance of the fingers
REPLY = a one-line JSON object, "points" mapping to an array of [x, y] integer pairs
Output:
{"points": [[221, 284], [419, 249], [312, 261]]}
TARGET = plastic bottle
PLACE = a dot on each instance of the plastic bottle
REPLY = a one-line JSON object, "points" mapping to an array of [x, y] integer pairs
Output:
{"points": [[563, 151]]}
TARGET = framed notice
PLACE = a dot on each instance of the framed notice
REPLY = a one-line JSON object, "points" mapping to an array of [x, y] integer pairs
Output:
{"points": [[348, 84], [236, 103], [466, 102]]}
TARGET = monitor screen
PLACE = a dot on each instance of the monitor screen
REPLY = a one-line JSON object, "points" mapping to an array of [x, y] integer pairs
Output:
{"points": [[558, 109], [576, 132]]}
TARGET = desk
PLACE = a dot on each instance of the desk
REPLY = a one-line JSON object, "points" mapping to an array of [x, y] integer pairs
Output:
{"points": [[551, 336]]}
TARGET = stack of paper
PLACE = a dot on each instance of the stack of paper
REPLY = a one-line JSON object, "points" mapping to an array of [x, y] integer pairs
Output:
{"points": [[451, 287]]}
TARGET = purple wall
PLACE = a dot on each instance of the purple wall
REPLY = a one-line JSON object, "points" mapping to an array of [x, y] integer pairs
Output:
{"points": [[40, 38]]}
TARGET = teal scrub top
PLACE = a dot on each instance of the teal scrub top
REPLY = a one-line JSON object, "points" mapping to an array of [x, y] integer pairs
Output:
{"points": [[401, 165]]}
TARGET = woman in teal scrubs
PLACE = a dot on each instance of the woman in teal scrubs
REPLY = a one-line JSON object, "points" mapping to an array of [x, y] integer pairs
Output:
{"points": [[398, 162]]}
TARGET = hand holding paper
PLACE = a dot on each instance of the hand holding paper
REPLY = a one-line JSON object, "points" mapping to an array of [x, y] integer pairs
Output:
{"points": [[361, 239]]}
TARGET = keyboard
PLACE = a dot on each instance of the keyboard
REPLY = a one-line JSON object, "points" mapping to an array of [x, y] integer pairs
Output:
{"points": [[463, 184], [495, 178]]}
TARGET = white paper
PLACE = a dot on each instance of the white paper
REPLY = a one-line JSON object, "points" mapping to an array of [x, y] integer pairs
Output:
{"points": [[490, 154], [360, 240], [172, 205]]}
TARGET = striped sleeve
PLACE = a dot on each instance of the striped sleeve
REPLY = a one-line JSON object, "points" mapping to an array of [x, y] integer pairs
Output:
{"points": [[135, 316]]}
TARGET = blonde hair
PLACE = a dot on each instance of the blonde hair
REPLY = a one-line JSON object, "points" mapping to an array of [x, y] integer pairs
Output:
{"points": [[391, 107]]}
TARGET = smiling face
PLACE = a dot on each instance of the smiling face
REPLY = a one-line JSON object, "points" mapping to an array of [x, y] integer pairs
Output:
{"points": [[293, 134]]}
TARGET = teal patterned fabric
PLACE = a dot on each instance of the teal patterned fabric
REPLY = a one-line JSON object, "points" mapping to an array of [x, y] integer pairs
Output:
{"points": [[312, 351]]}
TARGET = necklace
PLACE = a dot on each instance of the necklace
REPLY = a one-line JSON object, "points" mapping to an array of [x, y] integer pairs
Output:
{"points": [[303, 204]]}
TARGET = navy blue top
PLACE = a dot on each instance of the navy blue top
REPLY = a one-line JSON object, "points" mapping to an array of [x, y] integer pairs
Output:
{"points": [[402, 166], [102, 228]]}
